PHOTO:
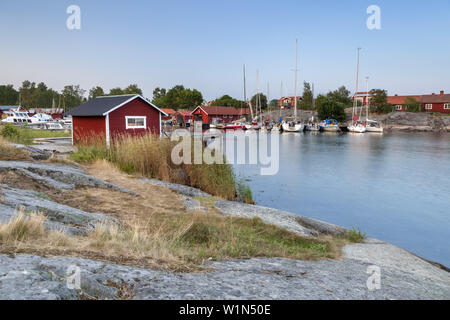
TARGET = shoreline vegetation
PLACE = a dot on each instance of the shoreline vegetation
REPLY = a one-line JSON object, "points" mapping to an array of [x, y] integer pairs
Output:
{"points": [[25, 135], [150, 157]]}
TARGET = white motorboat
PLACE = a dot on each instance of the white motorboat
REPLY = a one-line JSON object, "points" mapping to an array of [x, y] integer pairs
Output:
{"points": [[17, 117], [41, 118], [330, 125], [373, 126]]}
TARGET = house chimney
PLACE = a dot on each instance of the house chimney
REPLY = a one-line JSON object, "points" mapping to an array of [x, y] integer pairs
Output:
{"points": [[442, 92]]}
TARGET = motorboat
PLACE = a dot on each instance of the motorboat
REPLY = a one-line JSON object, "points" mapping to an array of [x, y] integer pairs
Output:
{"points": [[373, 126], [17, 117], [330, 125]]}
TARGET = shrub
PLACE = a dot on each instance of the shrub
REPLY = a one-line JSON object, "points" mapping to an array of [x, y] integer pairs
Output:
{"points": [[10, 132]]}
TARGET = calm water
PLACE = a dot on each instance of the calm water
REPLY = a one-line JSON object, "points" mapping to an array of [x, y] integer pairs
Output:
{"points": [[394, 187]]}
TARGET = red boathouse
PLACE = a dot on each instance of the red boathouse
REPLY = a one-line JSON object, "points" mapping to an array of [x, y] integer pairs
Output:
{"points": [[219, 114], [110, 116]]}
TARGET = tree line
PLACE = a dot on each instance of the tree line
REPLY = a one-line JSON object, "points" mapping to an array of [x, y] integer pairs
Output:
{"points": [[330, 105]]}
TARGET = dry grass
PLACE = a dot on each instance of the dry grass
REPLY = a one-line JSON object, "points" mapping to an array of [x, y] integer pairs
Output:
{"points": [[9, 152], [156, 231], [150, 156]]}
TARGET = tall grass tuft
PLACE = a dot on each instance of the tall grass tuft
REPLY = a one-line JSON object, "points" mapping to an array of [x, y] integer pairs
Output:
{"points": [[150, 156], [22, 227]]}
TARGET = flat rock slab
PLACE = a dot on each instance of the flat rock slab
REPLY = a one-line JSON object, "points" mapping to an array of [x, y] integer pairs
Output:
{"points": [[58, 176], [276, 217], [60, 217], [185, 190], [31, 277]]}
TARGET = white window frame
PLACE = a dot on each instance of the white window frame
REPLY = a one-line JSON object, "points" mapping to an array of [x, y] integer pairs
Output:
{"points": [[446, 106], [135, 127], [399, 107], [429, 106]]}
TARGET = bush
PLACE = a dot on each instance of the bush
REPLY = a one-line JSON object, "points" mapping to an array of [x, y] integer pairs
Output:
{"points": [[10, 132]]}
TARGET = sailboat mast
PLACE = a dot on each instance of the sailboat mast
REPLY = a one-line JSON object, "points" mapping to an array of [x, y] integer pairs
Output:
{"points": [[257, 90], [313, 102], [268, 106], [355, 102], [367, 98], [295, 79], [245, 96]]}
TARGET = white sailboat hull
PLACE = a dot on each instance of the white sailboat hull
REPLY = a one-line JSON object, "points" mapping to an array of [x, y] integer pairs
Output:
{"points": [[295, 128], [374, 129], [357, 128]]}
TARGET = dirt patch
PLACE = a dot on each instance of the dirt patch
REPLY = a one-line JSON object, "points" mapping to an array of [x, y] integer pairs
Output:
{"points": [[17, 180]]}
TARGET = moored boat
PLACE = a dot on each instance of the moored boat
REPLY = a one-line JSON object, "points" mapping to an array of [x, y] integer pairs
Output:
{"points": [[330, 125]]}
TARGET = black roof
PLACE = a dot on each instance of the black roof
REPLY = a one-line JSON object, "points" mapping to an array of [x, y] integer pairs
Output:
{"points": [[99, 106]]}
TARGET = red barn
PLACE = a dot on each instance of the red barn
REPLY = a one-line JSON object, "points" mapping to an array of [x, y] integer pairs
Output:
{"points": [[111, 116], [221, 114]]}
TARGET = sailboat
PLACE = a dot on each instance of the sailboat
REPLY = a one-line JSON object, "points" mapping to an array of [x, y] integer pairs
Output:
{"points": [[294, 125], [356, 125], [371, 125], [312, 125]]}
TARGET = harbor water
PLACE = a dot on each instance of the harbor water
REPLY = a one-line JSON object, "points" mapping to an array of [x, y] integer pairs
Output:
{"points": [[394, 187]]}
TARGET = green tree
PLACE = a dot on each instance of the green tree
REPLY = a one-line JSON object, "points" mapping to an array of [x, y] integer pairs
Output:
{"points": [[115, 92], [73, 96], [378, 101], [132, 89], [341, 95], [330, 109], [306, 103], [412, 105], [177, 98], [262, 99], [227, 101], [273, 103], [96, 92], [8, 95]]}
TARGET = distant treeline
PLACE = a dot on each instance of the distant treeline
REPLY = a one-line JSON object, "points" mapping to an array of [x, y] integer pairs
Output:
{"points": [[330, 105]]}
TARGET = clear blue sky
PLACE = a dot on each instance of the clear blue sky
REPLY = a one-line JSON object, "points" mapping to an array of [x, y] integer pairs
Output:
{"points": [[203, 44]]}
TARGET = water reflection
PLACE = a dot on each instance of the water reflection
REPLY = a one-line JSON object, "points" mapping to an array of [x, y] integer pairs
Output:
{"points": [[395, 187]]}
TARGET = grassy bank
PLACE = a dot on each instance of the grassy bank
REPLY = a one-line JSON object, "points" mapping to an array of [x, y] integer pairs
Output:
{"points": [[9, 152], [150, 156], [25, 135]]}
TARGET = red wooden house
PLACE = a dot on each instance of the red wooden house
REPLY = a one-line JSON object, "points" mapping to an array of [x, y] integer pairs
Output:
{"points": [[220, 114], [111, 116], [399, 102], [436, 102], [429, 102]]}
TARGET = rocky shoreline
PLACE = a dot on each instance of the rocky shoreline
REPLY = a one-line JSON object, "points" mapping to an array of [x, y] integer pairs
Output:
{"points": [[22, 276]]}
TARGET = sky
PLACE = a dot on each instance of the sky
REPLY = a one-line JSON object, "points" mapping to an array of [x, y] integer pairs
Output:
{"points": [[204, 45]]}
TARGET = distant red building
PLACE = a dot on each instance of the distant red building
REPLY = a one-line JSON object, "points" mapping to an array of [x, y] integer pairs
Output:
{"points": [[429, 102], [170, 113], [182, 117], [288, 102], [219, 114], [399, 102], [108, 117]]}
